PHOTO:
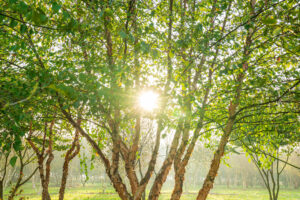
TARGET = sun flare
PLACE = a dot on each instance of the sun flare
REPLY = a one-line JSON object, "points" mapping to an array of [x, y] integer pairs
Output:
{"points": [[148, 100]]}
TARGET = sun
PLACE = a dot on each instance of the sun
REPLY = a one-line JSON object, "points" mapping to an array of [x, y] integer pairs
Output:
{"points": [[148, 100]]}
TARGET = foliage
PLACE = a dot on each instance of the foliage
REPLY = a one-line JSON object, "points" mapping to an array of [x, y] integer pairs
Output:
{"points": [[218, 66]]}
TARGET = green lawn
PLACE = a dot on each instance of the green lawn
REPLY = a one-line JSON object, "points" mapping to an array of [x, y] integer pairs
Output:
{"points": [[93, 193]]}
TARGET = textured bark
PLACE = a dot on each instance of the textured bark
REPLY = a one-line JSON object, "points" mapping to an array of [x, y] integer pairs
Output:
{"points": [[181, 163], [45, 193], [179, 178], [129, 157], [208, 182], [131, 175], [143, 197], [112, 173], [1, 189], [178, 169], [41, 155], [215, 164], [144, 181], [71, 153], [166, 166]]}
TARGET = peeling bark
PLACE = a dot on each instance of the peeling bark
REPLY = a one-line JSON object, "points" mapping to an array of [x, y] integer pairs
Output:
{"points": [[71, 153], [112, 173], [42, 155], [232, 110], [166, 166]]}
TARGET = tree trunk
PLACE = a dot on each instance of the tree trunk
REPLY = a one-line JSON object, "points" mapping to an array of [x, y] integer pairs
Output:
{"points": [[215, 164], [179, 178], [44, 184], [45, 192], [111, 170], [71, 153], [64, 180], [15, 188], [167, 164], [1, 189]]}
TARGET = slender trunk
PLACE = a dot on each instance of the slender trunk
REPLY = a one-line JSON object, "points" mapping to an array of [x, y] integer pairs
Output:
{"points": [[181, 163], [45, 192], [179, 178], [20, 182], [167, 164], [209, 181], [64, 180], [1, 189], [16, 187], [141, 174], [113, 174], [215, 164], [71, 153]]}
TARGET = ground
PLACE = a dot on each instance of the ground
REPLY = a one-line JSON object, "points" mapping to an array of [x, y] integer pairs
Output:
{"points": [[92, 192]]}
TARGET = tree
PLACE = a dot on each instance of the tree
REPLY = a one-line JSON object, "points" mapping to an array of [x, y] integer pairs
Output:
{"points": [[209, 66], [70, 154], [43, 153], [268, 135]]}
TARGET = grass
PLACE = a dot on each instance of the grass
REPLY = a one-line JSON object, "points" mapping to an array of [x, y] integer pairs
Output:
{"points": [[92, 192]]}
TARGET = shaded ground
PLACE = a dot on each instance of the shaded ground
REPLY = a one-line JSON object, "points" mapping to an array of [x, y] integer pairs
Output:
{"points": [[94, 193]]}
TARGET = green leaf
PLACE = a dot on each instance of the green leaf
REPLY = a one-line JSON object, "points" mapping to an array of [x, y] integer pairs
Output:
{"points": [[13, 23], [66, 15], [23, 28], [17, 144], [55, 7], [42, 16], [23, 8], [35, 17], [13, 161], [12, 1], [277, 31], [270, 21], [39, 17], [123, 34]]}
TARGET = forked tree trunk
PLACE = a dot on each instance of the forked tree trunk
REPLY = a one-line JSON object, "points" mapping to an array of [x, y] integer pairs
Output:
{"points": [[167, 164], [41, 155], [181, 163], [71, 153], [113, 174]]}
